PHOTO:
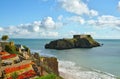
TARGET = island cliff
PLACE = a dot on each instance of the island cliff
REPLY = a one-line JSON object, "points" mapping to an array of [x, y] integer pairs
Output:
{"points": [[78, 41]]}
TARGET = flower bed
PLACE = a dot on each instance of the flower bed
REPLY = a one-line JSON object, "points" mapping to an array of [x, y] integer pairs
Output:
{"points": [[13, 69], [8, 56], [3, 53], [28, 74]]}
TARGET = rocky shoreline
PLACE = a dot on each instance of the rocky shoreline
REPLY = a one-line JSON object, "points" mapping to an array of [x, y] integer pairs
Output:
{"points": [[17, 62], [78, 41]]}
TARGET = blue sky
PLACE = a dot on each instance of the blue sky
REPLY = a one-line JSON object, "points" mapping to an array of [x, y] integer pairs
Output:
{"points": [[60, 18]]}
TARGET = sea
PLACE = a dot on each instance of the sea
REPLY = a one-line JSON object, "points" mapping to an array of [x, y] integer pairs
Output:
{"points": [[82, 63]]}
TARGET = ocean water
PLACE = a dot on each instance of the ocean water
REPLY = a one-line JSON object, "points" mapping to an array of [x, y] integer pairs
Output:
{"points": [[93, 63]]}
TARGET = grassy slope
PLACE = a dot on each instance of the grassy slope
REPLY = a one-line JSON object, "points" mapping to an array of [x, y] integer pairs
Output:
{"points": [[49, 76]]}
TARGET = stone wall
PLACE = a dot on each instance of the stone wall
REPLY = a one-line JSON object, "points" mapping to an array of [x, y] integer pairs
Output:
{"points": [[80, 36]]}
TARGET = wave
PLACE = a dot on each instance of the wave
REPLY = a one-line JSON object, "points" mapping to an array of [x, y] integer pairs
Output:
{"points": [[42, 53], [69, 70]]}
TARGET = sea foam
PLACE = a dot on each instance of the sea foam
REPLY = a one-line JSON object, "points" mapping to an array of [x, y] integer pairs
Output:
{"points": [[42, 53], [68, 70]]}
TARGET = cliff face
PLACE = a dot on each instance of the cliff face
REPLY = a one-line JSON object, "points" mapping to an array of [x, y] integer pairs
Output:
{"points": [[50, 64], [78, 41]]}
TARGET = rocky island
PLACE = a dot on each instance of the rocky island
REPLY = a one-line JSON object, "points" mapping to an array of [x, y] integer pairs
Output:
{"points": [[78, 41]]}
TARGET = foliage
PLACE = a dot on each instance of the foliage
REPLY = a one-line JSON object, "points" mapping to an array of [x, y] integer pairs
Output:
{"points": [[14, 75], [5, 37], [92, 41], [11, 43], [118, 78], [49, 76], [10, 48]]}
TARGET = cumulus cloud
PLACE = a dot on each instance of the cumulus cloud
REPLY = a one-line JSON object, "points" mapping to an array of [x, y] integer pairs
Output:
{"points": [[90, 33], [48, 23], [87, 0], [73, 32], [77, 7], [93, 13], [49, 34], [77, 19], [1, 29], [44, 28], [118, 6], [106, 21], [60, 17]]}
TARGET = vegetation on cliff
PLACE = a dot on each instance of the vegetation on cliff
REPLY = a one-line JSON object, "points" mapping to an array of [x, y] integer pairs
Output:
{"points": [[49, 76], [10, 47], [5, 37], [19, 63]]}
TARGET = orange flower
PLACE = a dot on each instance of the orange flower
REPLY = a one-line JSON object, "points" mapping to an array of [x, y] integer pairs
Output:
{"points": [[13, 69], [3, 53], [8, 56], [28, 74]]}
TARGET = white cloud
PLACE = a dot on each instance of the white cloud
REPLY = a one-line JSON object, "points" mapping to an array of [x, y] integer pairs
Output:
{"points": [[90, 33], [106, 21], [37, 28], [1, 29], [77, 7], [87, 0], [77, 19], [60, 17], [48, 23], [73, 32], [93, 13], [49, 34], [118, 6]]}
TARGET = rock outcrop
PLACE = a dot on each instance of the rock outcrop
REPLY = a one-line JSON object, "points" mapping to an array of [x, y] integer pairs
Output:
{"points": [[50, 64], [78, 41]]}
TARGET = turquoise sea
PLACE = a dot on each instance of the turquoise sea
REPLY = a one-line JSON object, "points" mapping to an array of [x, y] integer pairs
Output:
{"points": [[93, 63]]}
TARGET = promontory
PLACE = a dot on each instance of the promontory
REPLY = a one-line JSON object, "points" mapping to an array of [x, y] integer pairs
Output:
{"points": [[78, 41]]}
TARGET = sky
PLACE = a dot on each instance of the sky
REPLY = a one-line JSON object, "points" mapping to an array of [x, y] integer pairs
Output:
{"points": [[60, 18]]}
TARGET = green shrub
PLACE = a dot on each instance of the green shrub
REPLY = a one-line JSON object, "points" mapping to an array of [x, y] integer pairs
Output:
{"points": [[5, 37], [14, 75], [49, 76], [10, 48]]}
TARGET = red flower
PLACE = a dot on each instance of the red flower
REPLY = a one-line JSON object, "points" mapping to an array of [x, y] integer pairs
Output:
{"points": [[28, 74], [8, 56], [13, 69]]}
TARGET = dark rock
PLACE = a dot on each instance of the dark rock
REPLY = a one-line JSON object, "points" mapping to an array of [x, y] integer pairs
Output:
{"points": [[78, 41]]}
